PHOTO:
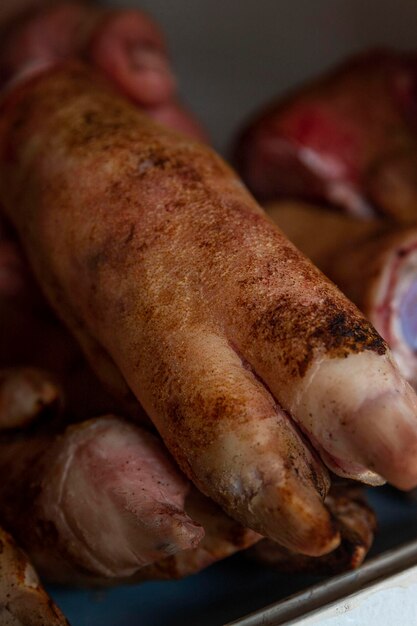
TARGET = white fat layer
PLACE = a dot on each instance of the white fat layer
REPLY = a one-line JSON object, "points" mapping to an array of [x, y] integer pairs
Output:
{"points": [[338, 190], [350, 198], [324, 166]]}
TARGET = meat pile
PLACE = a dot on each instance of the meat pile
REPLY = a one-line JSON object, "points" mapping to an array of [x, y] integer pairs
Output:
{"points": [[198, 376], [347, 139], [336, 166]]}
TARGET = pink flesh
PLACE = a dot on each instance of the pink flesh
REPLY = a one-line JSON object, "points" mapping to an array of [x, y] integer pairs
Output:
{"points": [[323, 132], [126, 45], [385, 310], [408, 316], [48, 36], [323, 142], [395, 317], [129, 49], [108, 490]]}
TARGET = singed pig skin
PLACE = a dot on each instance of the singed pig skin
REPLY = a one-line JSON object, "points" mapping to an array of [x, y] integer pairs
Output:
{"points": [[130, 49], [102, 499], [150, 248], [347, 139], [374, 264], [23, 601]]}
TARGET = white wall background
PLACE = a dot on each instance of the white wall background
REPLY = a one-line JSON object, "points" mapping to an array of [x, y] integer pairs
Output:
{"points": [[233, 55]]}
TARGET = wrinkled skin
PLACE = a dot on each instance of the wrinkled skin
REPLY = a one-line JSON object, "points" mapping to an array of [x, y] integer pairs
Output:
{"points": [[23, 600], [223, 537], [101, 502], [77, 493], [130, 49], [27, 396], [374, 264], [346, 139], [37, 461], [168, 257]]}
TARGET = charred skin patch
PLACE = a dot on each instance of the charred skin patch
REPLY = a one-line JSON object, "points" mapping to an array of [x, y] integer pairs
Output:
{"points": [[292, 312], [344, 335], [303, 331]]}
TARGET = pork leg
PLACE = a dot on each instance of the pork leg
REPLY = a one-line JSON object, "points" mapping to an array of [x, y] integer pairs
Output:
{"points": [[218, 325]]}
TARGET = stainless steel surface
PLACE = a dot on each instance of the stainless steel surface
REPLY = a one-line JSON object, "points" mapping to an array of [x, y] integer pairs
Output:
{"points": [[334, 590]]}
